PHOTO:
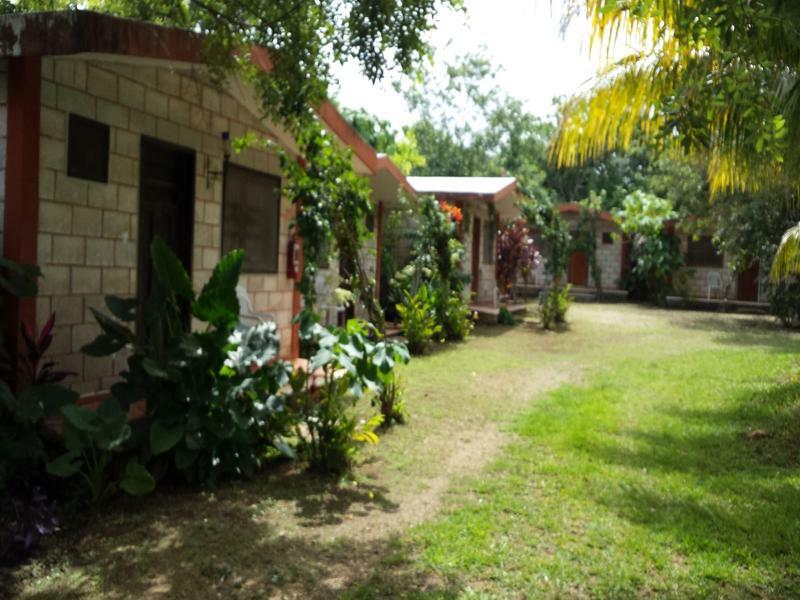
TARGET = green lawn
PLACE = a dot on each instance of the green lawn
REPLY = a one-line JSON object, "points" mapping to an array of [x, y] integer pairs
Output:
{"points": [[614, 459]]}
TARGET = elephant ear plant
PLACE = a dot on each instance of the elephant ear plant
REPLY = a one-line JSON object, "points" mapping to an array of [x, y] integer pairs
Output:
{"points": [[212, 394], [346, 367]]}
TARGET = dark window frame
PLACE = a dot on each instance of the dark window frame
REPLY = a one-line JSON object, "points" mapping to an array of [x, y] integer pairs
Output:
{"points": [[251, 269], [91, 168], [608, 238], [489, 227], [702, 253]]}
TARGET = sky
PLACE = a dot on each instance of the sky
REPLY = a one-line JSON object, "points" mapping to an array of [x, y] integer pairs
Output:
{"points": [[536, 61]]}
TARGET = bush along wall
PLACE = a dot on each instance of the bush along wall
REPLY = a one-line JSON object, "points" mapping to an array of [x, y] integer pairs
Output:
{"points": [[219, 401], [430, 289]]}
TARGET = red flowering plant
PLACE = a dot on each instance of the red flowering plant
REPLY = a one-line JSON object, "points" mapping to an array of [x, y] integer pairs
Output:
{"points": [[516, 254], [453, 211]]}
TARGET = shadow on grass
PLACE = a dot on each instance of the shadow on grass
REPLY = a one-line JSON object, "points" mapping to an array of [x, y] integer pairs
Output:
{"points": [[740, 331], [234, 544], [710, 486]]}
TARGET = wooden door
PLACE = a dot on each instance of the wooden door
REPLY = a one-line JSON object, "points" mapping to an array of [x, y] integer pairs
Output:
{"points": [[166, 206], [747, 284], [578, 271], [476, 255]]}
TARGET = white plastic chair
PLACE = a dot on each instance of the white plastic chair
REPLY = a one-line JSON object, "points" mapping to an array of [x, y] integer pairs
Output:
{"points": [[248, 317], [714, 282]]}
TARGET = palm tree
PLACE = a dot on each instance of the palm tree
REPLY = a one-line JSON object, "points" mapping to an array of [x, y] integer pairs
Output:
{"points": [[786, 263], [711, 77]]}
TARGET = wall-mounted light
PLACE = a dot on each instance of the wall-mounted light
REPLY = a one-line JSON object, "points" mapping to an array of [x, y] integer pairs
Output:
{"points": [[214, 174]]}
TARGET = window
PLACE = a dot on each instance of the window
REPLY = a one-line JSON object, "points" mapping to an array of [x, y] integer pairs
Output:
{"points": [[251, 218], [489, 241], [702, 253], [87, 149], [608, 238]]}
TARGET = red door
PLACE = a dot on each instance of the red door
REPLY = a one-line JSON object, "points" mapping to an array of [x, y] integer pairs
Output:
{"points": [[747, 284], [578, 271], [476, 254]]}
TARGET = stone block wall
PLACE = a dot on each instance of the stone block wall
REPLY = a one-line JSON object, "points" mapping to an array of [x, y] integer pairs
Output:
{"points": [[694, 280], [486, 280], [609, 257], [88, 231]]}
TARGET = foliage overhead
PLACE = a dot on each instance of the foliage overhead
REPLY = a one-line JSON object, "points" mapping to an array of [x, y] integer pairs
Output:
{"points": [[304, 38], [655, 252], [711, 78]]}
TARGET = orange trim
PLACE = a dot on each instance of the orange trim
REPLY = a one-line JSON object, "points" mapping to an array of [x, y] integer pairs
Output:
{"points": [[22, 185], [506, 191], [575, 208], [297, 299], [378, 248]]}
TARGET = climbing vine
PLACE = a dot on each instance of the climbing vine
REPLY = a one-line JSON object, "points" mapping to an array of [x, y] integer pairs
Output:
{"points": [[335, 202]]}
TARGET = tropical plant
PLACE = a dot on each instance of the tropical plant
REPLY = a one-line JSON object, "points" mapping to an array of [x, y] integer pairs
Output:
{"points": [[517, 255], [504, 317], [418, 319], [453, 314], [334, 203], [30, 393], [655, 252], [786, 265], [553, 306], [346, 367], [713, 77], [212, 401], [556, 242], [93, 439]]}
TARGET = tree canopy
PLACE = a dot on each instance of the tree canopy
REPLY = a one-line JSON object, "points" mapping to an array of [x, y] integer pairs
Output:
{"points": [[712, 77], [304, 38]]}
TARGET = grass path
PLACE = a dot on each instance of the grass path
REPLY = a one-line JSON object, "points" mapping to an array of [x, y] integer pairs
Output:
{"points": [[607, 460]]}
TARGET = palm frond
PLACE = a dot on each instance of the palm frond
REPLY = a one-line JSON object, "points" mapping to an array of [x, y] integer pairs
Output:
{"points": [[786, 263]]}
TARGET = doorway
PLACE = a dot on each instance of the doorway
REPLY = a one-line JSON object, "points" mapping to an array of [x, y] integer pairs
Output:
{"points": [[578, 270], [747, 284], [166, 206]]}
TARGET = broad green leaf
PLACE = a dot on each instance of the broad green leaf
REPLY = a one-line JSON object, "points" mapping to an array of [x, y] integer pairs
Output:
{"points": [[65, 465], [152, 369], [122, 308], [19, 280], [103, 345], [111, 327], [164, 437], [218, 303], [53, 397], [170, 271], [137, 479], [81, 418]]}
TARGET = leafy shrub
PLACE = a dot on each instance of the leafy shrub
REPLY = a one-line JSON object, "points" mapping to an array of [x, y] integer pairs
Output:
{"points": [[346, 367], [393, 405], [554, 305], [785, 303], [516, 254], [212, 402], [504, 317], [418, 319], [91, 438], [655, 254], [30, 393], [453, 315]]}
